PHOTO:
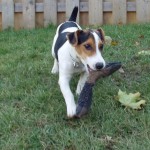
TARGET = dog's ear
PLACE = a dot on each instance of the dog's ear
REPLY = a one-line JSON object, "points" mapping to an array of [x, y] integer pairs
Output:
{"points": [[101, 34], [73, 37]]}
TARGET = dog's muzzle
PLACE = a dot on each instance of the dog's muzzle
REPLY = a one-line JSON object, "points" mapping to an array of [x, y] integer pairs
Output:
{"points": [[99, 66]]}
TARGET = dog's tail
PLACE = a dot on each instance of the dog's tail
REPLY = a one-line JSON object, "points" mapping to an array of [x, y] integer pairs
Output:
{"points": [[74, 14]]}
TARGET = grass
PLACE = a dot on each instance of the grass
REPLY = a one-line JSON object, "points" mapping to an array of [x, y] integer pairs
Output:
{"points": [[32, 109]]}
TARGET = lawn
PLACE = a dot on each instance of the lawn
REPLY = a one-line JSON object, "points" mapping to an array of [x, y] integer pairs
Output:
{"points": [[33, 111]]}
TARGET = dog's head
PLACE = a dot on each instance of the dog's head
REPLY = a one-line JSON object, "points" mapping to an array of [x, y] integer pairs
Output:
{"points": [[89, 47]]}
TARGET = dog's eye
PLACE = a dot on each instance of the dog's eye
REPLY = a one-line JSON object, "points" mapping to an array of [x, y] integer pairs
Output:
{"points": [[88, 46], [101, 47]]}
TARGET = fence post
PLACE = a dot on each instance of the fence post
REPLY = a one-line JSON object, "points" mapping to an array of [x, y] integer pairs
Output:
{"points": [[119, 11], [143, 11], [28, 14], [95, 12], [50, 12], [70, 4], [7, 14]]}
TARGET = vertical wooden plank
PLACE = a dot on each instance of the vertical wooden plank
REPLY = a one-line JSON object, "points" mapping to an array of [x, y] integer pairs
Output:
{"points": [[61, 17], [28, 13], [0, 21], [7, 14], [119, 11], [84, 18], [0, 16], [140, 11], [131, 17], [107, 18], [95, 12], [39, 20], [50, 12], [18, 21], [70, 4], [143, 11], [147, 3]]}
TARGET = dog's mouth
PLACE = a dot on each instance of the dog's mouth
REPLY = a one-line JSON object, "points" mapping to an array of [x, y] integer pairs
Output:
{"points": [[89, 69]]}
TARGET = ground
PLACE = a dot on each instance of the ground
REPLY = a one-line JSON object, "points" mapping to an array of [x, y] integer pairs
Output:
{"points": [[32, 109]]}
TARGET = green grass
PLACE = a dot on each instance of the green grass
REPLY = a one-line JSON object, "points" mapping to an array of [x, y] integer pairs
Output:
{"points": [[32, 109]]}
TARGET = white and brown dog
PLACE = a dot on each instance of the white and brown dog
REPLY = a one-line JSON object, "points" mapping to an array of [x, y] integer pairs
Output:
{"points": [[76, 50]]}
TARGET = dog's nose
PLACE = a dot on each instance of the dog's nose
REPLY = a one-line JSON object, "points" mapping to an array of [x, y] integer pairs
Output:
{"points": [[99, 66]]}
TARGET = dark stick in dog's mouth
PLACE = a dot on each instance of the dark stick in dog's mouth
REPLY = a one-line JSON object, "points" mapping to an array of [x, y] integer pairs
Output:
{"points": [[85, 98]]}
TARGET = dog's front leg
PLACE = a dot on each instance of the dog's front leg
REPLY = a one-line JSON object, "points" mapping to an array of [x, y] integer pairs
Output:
{"points": [[68, 96], [81, 82], [55, 68]]}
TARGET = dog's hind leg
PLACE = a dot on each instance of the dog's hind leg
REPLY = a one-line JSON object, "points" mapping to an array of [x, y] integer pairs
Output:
{"points": [[67, 94], [82, 80], [55, 68]]}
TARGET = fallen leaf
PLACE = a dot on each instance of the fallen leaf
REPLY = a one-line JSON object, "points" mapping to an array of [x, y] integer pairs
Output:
{"points": [[141, 37], [108, 40], [130, 100], [114, 43], [144, 52], [106, 138], [121, 70], [137, 43]]}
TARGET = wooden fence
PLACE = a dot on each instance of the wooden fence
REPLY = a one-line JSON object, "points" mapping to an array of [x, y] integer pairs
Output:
{"points": [[39, 13]]}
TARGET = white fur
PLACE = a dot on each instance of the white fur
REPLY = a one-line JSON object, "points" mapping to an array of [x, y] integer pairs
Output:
{"points": [[70, 63]]}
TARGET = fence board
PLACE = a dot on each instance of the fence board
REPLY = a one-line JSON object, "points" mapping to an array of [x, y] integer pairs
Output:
{"points": [[84, 7], [28, 14], [61, 7], [18, 7], [70, 4], [7, 14], [39, 7], [143, 11], [53, 11], [107, 6], [131, 6], [96, 12], [119, 11], [50, 12]]}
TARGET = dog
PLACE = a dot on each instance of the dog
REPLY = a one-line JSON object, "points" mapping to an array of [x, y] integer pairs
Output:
{"points": [[76, 51]]}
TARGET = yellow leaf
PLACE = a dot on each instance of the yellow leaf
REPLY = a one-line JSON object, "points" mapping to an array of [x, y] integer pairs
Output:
{"points": [[130, 100], [108, 40], [114, 43]]}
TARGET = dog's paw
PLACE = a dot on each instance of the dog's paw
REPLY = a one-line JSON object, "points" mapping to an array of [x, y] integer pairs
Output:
{"points": [[78, 90], [71, 111]]}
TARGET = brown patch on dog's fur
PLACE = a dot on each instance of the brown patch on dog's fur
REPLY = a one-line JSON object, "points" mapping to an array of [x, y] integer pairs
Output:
{"points": [[101, 34], [83, 52], [80, 38], [100, 45]]}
